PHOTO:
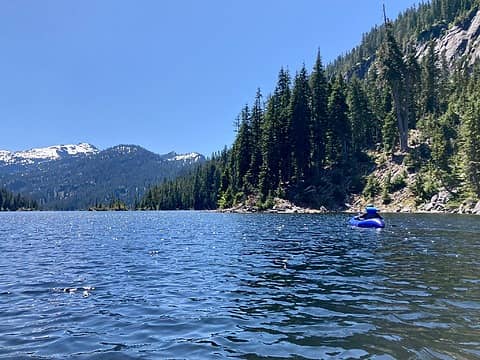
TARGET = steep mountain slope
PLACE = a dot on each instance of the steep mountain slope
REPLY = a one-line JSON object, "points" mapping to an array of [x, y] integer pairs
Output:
{"points": [[462, 40], [396, 121], [76, 177], [453, 26]]}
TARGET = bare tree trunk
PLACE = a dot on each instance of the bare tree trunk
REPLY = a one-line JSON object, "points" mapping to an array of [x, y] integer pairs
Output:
{"points": [[402, 117]]}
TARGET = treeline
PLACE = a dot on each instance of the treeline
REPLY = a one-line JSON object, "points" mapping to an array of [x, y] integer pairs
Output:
{"points": [[198, 190], [14, 202], [114, 204], [304, 143], [310, 140]]}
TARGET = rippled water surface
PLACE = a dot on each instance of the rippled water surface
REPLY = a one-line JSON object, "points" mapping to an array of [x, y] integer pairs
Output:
{"points": [[196, 285]]}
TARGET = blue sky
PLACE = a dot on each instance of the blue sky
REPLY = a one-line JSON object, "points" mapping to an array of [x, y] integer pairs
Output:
{"points": [[166, 75]]}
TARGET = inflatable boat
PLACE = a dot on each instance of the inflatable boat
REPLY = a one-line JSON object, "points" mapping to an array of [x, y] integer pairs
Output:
{"points": [[367, 223]]}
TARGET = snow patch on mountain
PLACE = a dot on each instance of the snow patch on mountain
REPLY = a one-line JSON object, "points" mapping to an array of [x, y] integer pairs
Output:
{"points": [[46, 154], [57, 152], [190, 157]]}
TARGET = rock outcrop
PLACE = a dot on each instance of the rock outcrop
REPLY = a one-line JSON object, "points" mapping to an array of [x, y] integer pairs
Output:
{"points": [[461, 40], [468, 207], [280, 206], [438, 202]]}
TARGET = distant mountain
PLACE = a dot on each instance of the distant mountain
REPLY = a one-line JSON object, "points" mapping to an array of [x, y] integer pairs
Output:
{"points": [[40, 155], [72, 177]]}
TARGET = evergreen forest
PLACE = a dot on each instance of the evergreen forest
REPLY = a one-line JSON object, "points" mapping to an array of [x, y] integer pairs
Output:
{"points": [[14, 202], [315, 138]]}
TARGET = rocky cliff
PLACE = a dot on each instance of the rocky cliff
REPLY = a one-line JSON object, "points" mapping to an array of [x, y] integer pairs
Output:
{"points": [[460, 40]]}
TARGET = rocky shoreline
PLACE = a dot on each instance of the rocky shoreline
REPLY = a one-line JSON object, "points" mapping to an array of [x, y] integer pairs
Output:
{"points": [[280, 206], [437, 205]]}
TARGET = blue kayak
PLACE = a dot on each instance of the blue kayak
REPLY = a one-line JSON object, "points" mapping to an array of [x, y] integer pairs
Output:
{"points": [[368, 223]]}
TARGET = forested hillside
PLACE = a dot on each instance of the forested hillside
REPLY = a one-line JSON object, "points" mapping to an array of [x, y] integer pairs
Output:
{"points": [[415, 26], [121, 173], [12, 202], [320, 137]]}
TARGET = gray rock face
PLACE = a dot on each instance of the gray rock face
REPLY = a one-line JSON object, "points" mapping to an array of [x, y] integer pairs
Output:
{"points": [[476, 209], [460, 40], [438, 202]]}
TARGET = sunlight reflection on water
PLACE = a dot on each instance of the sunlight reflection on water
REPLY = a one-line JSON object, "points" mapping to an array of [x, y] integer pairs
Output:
{"points": [[208, 285]]}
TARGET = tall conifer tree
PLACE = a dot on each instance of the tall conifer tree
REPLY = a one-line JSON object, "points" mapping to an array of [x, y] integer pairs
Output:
{"points": [[300, 115], [256, 125], [393, 70], [283, 94], [361, 118], [339, 129], [319, 89]]}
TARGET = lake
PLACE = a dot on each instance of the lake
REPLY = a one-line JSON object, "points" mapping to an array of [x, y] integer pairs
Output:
{"points": [[149, 285]]}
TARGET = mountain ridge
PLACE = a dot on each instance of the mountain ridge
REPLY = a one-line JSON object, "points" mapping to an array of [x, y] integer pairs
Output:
{"points": [[53, 152], [56, 152], [74, 177]]}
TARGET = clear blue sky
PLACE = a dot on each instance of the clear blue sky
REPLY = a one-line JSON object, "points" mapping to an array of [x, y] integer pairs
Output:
{"points": [[166, 75]]}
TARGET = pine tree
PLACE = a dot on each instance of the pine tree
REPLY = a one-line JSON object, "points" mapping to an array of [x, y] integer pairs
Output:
{"points": [[270, 172], [389, 133], [300, 115], [338, 129], [393, 71], [13, 202], [283, 94], [429, 95], [319, 89], [471, 144], [256, 126], [379, 99], [361, 118], [413, 76], [444, 146], [242, 153]]}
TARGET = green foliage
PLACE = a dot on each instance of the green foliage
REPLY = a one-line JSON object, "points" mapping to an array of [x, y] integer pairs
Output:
{"points": [[123, 172], [398, 182], [13, 202], [417, 158], [364, 126], [226, 199], [113, 205], [267, 204], [372, 188], [389, 133], [386, 198], [201, 189], [239, 198], [394, 72], [300, 122], [339, 132], [319, 91], [430, 102], [471, 144], [426, 185], [308, 141], [420, 23]]}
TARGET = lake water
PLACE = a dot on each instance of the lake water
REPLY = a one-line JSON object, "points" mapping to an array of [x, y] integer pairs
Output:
{"points": [[149, 285]]}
